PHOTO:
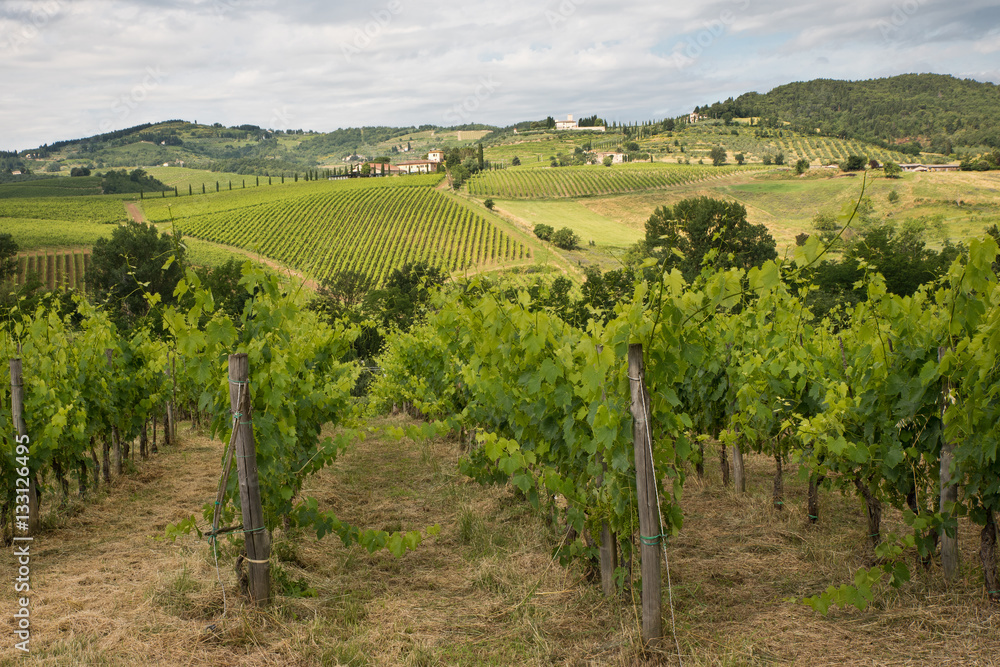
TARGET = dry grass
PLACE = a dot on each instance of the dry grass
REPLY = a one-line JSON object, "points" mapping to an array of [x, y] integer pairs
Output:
{"points": [[484, 591]]}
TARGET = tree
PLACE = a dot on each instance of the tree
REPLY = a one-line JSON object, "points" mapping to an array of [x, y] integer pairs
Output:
{"points": [[8, 257], [608, 161], [79, 171], [892, 170], [516, 162], [740, 158], [406, 289], [134, 261], [543, 231], [802, 166], [854, 163], [718, 156], [565, 239], [698, 225], [779, 158], [767, 159], [488, 203], [482, 162]]}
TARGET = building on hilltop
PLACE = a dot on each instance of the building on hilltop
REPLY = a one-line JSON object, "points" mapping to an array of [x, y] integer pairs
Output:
{"points": [[570, 124]]}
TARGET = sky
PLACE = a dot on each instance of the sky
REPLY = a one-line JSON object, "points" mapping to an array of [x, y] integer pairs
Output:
{"points": [[75, 68]]}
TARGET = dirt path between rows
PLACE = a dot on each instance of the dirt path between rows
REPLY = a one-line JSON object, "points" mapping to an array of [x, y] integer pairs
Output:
{"points": [[135, 212]]}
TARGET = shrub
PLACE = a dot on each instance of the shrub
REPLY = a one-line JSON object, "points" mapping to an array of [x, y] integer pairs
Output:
{"points": [[565, 239], [853, 163], [488, 204], [543, 231]]}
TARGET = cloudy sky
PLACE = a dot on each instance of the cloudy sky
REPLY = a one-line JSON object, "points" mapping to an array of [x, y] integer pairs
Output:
{"points": [[74, 68]]}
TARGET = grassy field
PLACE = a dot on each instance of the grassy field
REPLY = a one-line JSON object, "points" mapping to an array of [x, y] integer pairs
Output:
{"points": [[573, 214], [486, 591], [52, 187], [182, 177], [787, 204]]}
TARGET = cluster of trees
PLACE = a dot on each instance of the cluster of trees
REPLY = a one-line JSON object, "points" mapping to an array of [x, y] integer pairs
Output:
{"points": [[461, 163], [564, 238], [137, 180], [946, 112], [984, 162]]}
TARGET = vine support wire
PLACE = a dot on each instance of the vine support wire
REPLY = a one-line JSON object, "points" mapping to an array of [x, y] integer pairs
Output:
{"points": [[648, 442]]}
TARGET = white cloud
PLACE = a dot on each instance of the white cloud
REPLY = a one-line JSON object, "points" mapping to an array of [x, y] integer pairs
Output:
{"points": [[322, 65]]}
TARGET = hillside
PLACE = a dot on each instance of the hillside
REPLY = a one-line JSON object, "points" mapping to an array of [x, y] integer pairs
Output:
{"points": [[940, 112], [368, 226]]}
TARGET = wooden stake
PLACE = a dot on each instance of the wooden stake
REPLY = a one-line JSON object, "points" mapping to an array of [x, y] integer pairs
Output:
{"points": [[171, 426], [988, 557], [255, 533], [949, 490], [609, 541], [645, 482], [17, 417], [739, 475], [114, 429]]}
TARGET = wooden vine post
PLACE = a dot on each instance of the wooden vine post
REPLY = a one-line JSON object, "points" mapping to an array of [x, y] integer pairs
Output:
{"points": [[168, 420], [115, 438], [739, 473], [255, 533], [609, 542], [17, 417], [649, 516], [949, 490]]}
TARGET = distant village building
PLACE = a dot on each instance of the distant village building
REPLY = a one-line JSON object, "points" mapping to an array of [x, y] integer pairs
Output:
{"points": [[570, 124], [418, 167], [380, 168], [435, 156], [694, 117], [929, 167], [616, 158]]}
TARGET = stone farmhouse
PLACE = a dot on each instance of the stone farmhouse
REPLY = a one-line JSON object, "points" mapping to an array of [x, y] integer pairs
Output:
{"points": [[570, 124]]}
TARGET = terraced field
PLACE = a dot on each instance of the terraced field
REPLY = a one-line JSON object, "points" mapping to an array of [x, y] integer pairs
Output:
{"points": [[594, 180], [369, 226]]}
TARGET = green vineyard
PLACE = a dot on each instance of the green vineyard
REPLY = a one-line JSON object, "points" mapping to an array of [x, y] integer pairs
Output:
{"points": [[54, 269], [589, 181], [369, 226]]}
